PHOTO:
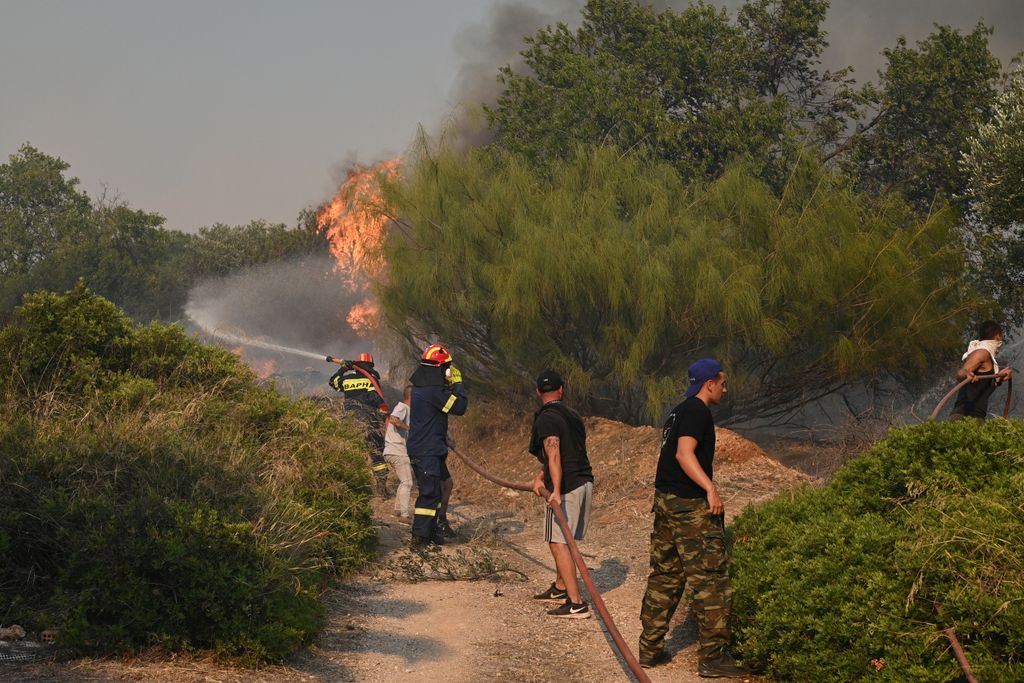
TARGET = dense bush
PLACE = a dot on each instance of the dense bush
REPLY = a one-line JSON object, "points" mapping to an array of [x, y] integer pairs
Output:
{"points": [[153, 494], [857, 580]]}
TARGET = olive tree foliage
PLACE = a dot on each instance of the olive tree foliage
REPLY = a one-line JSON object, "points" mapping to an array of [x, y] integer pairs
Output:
{"points": [[614, 271], [994, 165], [994, 160], [694, 88]]}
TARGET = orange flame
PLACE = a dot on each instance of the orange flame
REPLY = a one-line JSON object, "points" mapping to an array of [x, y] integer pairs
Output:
{"points": [[263, 367], [355, 227], [364, 317], [354, 223]]}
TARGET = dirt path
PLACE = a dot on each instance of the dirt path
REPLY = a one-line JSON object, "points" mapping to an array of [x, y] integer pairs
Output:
{"points": [[465, 613], [492, 628]]}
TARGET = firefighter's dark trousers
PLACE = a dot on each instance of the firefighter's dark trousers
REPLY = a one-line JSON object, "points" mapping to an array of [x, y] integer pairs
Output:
{"points": [[373, 426], [429, 472]]}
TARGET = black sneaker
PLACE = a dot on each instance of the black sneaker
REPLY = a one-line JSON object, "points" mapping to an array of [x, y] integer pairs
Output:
{"points": [[722, 666], [571, 610], [657, 660], [553, 593]]}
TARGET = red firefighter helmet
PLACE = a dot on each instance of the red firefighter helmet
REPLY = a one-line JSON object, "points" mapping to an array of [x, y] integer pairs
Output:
{"points": [[435, 354], [364, 358]]}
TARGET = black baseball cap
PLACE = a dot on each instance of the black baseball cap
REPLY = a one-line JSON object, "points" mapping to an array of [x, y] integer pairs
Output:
{"points": [[549, 380]]}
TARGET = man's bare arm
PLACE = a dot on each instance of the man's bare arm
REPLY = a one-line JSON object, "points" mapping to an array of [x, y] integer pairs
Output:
{"points": [[538, 483], [686, 456], [553, 449], [974, 361]]}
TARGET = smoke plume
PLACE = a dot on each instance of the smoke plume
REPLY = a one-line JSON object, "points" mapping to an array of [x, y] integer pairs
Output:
{"points": [[299, 303]]}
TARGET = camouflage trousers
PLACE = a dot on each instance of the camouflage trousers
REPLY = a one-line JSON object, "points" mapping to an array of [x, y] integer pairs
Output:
{"points": [[687, 552]]}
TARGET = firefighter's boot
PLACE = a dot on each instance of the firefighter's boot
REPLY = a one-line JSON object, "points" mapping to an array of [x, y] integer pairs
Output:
{"points": [[444, 529]]}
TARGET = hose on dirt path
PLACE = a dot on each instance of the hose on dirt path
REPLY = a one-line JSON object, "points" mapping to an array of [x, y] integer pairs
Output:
{"points": [[1006, 406], [602, 610]]}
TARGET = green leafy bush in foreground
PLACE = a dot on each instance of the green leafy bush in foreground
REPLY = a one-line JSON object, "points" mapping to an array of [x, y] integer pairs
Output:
{"points": [[856, 580], [154, 495]]}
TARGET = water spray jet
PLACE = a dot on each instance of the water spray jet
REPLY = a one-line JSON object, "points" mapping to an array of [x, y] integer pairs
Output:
{"points": [[249, 341]]}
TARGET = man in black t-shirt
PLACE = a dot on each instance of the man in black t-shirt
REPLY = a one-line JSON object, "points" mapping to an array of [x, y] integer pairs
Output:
{"points": [[688, 541], [559, 442]]}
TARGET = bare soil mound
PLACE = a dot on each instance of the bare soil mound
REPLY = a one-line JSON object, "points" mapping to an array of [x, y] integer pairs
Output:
{"points": [[624, 460]]}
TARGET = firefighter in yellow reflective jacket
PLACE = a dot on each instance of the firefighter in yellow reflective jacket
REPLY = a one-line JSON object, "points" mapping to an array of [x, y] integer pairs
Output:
{"points": [[360, 384], [437, 392]]}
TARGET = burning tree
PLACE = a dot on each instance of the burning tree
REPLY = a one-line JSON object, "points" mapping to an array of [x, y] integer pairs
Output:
{"points": [[354, 224]]}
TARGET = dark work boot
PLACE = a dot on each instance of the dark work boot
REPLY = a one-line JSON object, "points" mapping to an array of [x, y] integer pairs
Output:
{"points": [[657, 660], [722, 666], [420, 543], [445, 529]]}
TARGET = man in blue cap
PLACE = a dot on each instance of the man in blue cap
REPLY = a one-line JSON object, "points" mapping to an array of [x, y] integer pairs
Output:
{"points": [[688, 541]]}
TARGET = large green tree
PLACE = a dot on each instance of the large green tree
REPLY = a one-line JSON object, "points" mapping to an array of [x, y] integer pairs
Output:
{"points": [[929, 102], [673, 83], [614, 270], [41, 210], [692, 87]]}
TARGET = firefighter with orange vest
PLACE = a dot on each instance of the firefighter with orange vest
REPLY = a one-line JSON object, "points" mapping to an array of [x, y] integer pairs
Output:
{"points": [[437, 392], [360, 384]]}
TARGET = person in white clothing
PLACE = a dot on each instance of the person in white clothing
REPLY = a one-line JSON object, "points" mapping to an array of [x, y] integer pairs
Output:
{"points": [[396, 455]]}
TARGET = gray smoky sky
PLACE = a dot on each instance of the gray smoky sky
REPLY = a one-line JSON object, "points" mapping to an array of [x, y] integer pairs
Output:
{"points": [[858, 31], [233, 110]]}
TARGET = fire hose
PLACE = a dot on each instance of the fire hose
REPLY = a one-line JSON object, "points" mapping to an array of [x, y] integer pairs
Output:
{"points": [[1006, 407], [602, 610]]}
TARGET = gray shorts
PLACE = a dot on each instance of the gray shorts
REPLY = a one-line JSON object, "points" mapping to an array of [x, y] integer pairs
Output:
{"points": [[576, 508]]}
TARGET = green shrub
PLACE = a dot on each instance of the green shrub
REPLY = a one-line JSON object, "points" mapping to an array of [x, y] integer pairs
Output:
{"points": [[155, 495], [857, 579]]}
